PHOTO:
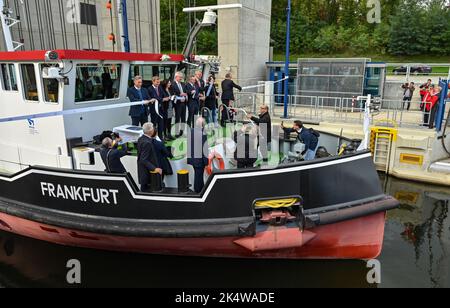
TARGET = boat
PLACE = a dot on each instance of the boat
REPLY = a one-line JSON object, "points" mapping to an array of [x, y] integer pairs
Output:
{"points": [[55, 189]]}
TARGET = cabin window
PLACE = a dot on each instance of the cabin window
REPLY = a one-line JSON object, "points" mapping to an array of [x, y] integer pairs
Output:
{"points": [[29, 82], [97, 82], [88, 14], [9, 77], [51, 88], [149, 71]]}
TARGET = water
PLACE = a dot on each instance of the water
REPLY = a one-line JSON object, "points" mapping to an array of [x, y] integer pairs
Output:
{"points": [[416, 254]]}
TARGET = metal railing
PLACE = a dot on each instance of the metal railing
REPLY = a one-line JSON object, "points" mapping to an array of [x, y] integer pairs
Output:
{"points": [[335, 109]]}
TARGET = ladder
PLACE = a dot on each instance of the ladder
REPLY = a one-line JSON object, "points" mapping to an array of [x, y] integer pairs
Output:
{"points": [[382, 140]]}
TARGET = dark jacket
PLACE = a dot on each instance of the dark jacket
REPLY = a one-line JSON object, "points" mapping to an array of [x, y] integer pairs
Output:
{"points": [[201, 86], [306, 137], [192, 98], [133, 95], [111, 159], [163, 155], [227, 89], [211, 99], [167, 105], [175, 90], [266, 129], [196, 155], [147, 159], [157, 94]]}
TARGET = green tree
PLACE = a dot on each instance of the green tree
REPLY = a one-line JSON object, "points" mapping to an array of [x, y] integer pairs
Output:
{"points": [[408, 33]]}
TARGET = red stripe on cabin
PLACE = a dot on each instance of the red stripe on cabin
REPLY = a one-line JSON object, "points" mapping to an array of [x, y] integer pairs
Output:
{"points": [[39, 55]]}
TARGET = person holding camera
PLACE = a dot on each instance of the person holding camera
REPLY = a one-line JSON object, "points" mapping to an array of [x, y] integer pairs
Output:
{"points": [[212, 96], [408, 93], [111, 154]]}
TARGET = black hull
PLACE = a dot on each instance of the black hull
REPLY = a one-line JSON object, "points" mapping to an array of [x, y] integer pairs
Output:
{"points": [[333, 190]]}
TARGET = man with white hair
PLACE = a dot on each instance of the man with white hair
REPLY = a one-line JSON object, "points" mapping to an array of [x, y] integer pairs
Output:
{"points": [[111, 155], [178, 89], [147, 157]]}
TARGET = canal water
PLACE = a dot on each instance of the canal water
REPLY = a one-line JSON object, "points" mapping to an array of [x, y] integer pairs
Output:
{"points": [[416, 254]]}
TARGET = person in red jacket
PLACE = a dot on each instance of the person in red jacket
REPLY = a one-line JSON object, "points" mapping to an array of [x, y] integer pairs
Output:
{"points": [[431, 106], [424, 90]]}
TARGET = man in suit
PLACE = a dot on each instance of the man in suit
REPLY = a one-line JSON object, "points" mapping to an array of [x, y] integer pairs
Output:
{"points": [[178, 89], [156, 107], [200, 84], [138, 113], [111, 155], [147, 157], [264, 123], [197, 151], [228, 86], [193, 100]]}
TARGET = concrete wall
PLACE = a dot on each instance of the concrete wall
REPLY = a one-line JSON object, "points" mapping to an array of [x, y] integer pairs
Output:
{"points": [[244, 39], [45, 25]]}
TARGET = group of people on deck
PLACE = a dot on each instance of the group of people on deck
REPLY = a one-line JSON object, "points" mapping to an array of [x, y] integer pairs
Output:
{"points": [[177, 102], [167, 102]]}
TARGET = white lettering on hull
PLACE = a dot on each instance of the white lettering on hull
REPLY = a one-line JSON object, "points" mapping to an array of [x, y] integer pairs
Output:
{"points": [[82, 194]]}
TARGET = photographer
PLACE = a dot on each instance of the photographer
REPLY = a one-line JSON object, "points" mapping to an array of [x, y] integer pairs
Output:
{"points": [[111, 154], [212, 99], [408, 93]]}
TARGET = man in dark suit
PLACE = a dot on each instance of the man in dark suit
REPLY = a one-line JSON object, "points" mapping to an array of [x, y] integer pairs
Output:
{"points": [[156, 107], [193, 100], [147, 157], [178, 89], [228, 86], [197, 151], [200, 84], [264, 123], [138, 113], [111, 155]]}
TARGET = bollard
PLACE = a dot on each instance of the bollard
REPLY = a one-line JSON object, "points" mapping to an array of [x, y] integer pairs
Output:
{"points": [[155, 182], [183, 181]]}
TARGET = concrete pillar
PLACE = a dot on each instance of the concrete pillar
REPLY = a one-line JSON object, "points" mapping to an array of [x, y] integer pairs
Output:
{"points": [[244, 40]]}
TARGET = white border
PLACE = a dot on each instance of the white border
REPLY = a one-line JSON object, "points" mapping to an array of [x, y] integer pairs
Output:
{"points": [[193, 199]]}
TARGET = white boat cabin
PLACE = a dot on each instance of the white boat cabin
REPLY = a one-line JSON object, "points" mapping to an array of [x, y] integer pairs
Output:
{"points": [[38, 82]]}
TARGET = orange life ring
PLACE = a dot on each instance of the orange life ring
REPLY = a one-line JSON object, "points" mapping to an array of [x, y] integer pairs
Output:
{"points": [[214, 156]]}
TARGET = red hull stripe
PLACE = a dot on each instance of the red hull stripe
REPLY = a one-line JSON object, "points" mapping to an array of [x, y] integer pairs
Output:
{"points": [[39, 55], [360, 238]]}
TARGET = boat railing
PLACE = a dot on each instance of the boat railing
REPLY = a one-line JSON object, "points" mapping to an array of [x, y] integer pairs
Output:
{"points": [[337, 109]]}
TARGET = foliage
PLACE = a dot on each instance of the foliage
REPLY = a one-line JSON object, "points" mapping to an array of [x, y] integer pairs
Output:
{"points": [[326, 27]]}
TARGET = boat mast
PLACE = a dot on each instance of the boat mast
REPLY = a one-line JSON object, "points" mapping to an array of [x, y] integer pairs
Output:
{"points": [[286, 68], [123, 24], [209, 20], [7, 23]]}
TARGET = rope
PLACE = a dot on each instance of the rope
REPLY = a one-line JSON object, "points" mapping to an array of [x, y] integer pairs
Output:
{"points": [[277, 204]]}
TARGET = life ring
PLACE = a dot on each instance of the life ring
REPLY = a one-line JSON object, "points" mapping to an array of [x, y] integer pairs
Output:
{"points": [[214, 156]]}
